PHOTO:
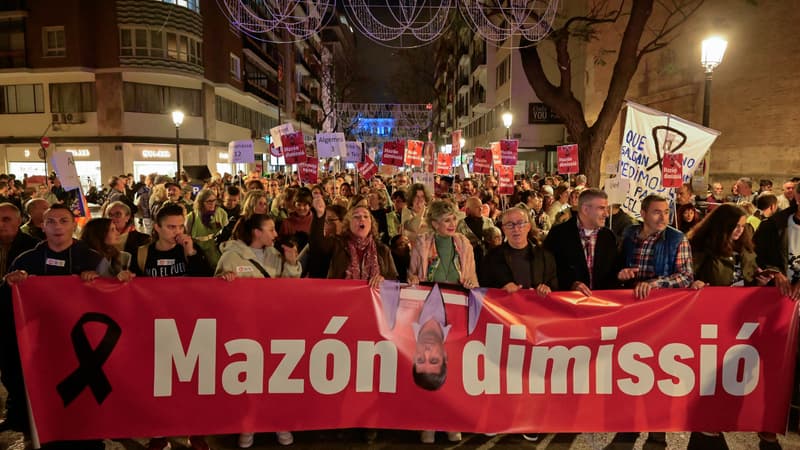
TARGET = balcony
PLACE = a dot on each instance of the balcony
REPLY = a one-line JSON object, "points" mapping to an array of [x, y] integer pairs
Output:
{"points": [[265, 50], [14, 5], [262, 85], [308, 116], [10, 59], [477, 99], [463, 83], [478, 59]]}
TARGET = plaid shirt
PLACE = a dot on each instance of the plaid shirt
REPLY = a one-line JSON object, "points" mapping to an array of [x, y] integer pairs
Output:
{"points": [[643, 260], [589, 241]]}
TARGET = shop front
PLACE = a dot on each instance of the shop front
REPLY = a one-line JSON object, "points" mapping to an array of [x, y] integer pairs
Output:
{"points": [[157, 159], [24, 161]]}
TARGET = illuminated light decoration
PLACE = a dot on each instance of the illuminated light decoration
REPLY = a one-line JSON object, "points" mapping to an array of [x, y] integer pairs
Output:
{"points": [[498, 20], [414, 23], [80, 152], [369, 121], [277, 21]]}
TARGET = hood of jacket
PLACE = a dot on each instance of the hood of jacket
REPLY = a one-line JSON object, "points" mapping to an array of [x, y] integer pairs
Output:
{"points": [[238, 248]]}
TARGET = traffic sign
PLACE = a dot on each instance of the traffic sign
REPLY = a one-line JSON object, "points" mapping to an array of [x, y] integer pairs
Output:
{"points": [[45, 142]]}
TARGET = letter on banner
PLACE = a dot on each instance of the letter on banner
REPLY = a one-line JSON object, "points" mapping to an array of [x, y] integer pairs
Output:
{"points": [[649, 135], [505, 180], [508, 152], [331, 145], [64, 164], [482, 162], [294, 149], [393, 152], [567, 159], [309, 171], [672, 170], [280, 130], [241, 152], [355, 152], [456, 146], [367, 169], [443, 164]]}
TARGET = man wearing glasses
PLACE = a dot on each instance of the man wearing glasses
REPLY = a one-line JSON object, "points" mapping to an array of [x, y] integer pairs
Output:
{"points": [[520, 262], [584, 249]]}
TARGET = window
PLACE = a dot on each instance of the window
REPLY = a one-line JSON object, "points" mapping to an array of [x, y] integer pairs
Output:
{"points": [[236, 114], [12, 43], [54, 41], [156, 99], [502, 72], [236, 67], [21, 99], [144, 42], [72, 97], [194, 5]]}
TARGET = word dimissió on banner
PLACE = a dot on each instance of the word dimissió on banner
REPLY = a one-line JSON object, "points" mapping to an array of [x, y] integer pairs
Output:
{"points": [[528, 369], [548, 366]]}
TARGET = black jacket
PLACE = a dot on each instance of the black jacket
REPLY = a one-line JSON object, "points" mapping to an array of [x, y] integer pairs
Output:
{"points": [[22, 243], [564, 242], [134, 241], [772, 243], [496, 269]]}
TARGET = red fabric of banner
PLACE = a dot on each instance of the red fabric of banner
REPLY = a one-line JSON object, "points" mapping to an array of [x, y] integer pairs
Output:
{"points": [[281, 354]]}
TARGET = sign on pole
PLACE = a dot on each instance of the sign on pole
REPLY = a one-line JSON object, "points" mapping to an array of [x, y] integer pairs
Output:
{"points": [[672, 170], [64, 165], [355, 152], [45, 141], [508, 151], [294, 148], [280, 130], [241, 152], [331, 145], [568, 159]]}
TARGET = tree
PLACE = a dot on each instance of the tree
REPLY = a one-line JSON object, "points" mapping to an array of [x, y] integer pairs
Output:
{"points": [[651, 25]]}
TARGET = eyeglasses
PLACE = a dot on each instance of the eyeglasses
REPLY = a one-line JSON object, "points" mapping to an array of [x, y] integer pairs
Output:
{"points": [[512, 225]]}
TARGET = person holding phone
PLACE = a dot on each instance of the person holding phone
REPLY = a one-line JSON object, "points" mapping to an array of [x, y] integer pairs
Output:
{"points": [[103, 237]]}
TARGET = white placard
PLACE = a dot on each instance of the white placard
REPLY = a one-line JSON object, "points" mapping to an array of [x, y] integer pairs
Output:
{"points": [[424, 178], [353, 153], [64, 165], [240, 152], [611, 168], [617, 189], [331, 145], [277, 132]]}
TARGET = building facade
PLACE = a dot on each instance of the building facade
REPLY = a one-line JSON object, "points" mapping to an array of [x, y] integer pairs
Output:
{"points": [[100, 79]]}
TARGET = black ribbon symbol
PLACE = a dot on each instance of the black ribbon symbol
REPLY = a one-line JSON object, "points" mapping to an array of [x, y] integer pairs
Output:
{"points": [[90, 369], [668, 144]]}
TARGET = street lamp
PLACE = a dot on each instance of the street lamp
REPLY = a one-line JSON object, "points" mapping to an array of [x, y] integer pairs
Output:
{"points": [[177, 119], [712, 52], [507, 119]]}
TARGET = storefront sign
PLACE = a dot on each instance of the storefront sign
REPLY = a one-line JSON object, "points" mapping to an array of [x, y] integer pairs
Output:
{"points": [[156, 154]]}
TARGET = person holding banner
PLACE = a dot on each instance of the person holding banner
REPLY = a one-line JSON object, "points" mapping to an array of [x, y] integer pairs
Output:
{"points": [[129, 238], [101, 235], [777, 243], [520, 262], [357, 254], [442, 255], [13, 243], [204, 222], [584, 249], [59, 254]]}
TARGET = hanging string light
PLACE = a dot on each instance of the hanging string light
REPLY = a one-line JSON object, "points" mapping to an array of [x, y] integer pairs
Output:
{"points": [[497, 20], [277, 20], [400, 24]]}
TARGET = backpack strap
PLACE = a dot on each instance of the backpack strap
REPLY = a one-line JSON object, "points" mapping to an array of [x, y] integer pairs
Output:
{"points": [[259, 267]]}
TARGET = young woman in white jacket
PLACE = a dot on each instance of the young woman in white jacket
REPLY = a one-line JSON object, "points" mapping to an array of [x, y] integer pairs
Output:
{"points": [[253, 255]]}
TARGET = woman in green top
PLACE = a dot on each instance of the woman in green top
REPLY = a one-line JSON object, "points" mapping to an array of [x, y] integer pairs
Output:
{"points": [[442, 255], [204, 222]]}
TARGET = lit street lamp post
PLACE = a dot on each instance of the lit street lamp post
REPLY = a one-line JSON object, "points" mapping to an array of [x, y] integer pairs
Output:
{"points": [[177, 119], [713, 51], [507, 119]]}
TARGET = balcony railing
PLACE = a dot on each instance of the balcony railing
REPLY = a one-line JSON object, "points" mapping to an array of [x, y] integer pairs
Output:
{"points": [[10, 59], [13, 5]]}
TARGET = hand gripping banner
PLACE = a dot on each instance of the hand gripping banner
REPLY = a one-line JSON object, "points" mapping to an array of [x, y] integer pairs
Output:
{"points": [[111, 360]]}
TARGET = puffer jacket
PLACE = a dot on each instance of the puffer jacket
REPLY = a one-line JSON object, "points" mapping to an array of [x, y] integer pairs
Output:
{"points": [[236, 256]]}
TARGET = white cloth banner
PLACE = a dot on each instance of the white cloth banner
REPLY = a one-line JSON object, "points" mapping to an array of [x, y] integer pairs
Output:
{"points": [[331, 145], [649, 134]]}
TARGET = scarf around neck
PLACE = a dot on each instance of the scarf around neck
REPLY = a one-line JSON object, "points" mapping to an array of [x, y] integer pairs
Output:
{"points": [[363, 259]]}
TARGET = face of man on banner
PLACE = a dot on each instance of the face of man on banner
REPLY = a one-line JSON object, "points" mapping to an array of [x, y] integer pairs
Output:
{"points": [[430, 357]]}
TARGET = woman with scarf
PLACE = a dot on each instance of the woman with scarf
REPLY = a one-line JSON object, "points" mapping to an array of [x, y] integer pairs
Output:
{"points": [[204, 222], [442, 255], [357, 254]]}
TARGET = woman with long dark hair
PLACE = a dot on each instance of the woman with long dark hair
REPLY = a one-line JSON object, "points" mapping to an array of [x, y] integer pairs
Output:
{"points": [[103, 237]]}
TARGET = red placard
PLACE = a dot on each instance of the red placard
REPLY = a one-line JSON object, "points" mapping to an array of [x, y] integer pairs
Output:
{"points": [[716, 359], [444, 164], [672, 170], [508, 151], [568, 159], [456, 143], [294, 148], [393, 152], [368, 168], [430, 157], [482, 162], [45, 141], [414, 153], [505, 180], [496, 160], [309, 170]]}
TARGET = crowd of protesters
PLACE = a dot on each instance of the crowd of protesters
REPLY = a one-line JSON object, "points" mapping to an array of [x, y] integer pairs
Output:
{"points": [[549, 235]]}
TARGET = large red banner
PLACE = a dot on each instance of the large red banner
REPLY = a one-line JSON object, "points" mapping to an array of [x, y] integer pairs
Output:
{"points": [[106, 359]]}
